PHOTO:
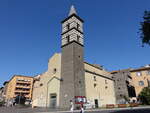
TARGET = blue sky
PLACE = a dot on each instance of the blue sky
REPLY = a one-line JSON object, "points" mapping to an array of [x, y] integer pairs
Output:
{"points": [[30, 33]]}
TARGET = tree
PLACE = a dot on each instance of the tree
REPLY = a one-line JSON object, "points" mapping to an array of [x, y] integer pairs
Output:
{"points": [[145, 28], [126, 98], [144, 96], [2, 103], [20, 99]]}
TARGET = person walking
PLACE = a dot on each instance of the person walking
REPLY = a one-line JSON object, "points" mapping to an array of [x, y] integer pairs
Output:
{"points": [[72, 106], [81, 109]]}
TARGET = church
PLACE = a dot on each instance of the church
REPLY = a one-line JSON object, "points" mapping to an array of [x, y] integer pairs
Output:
{"points": [[69, 77]]}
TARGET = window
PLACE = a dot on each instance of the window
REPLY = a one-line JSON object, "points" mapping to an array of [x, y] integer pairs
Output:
{"points": [[95, 85], [138, 73], [68, 39], [54, 71], [141, 83], [79, 82], [78, 26], [148, 81], [68, 26], [78, 37], [148, 72], [41, 84], [106, 82], [94, 78]]}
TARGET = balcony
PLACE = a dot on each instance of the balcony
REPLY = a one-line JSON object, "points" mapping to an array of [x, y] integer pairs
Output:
{"points": [[19, 84]]}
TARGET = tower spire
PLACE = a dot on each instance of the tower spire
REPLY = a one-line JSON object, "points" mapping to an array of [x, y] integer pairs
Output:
{"points": [[72, 10]]}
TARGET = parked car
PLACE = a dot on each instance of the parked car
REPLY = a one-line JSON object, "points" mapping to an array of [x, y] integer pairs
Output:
{"points": [[88, 105]]}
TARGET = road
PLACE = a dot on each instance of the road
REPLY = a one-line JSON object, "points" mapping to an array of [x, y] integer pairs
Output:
{"points": [[37, 110]]}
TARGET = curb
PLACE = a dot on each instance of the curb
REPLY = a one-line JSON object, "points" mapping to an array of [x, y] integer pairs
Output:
{"points": [[114, 109]]}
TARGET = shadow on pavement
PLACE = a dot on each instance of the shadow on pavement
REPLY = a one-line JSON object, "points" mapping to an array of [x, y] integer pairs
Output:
{"points": [[132, 111]]}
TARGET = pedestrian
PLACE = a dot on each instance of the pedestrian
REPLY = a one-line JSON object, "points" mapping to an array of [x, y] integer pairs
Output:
{"points": [[71, 106], [10, 103], [81, 109]]}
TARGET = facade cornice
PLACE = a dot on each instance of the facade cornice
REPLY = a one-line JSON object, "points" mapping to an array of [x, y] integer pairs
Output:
{"points": [[20, 76], [93, 65], [140, 69], [98, 74]]}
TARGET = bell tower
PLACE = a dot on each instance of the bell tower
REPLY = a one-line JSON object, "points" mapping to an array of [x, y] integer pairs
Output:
{"points": [[72, 59], [72, 29]]}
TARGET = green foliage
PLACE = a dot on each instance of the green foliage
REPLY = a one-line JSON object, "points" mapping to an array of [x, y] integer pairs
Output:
{"points": [[126, 98], [2, 103], [145, 28], [144, 96]]}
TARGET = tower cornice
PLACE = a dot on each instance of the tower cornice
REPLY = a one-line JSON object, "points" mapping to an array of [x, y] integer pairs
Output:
{"points": [[72, 42], [72, 29], [71, 17]]}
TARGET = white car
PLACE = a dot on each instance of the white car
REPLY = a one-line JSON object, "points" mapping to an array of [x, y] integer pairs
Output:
{"points": [[88, 105]]}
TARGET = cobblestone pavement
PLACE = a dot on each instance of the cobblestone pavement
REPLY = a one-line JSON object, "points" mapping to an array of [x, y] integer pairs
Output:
{"points": [[44, 110]]}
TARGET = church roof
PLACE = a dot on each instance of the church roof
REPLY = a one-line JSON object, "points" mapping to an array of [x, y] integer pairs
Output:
{"points": [[72, 11]]}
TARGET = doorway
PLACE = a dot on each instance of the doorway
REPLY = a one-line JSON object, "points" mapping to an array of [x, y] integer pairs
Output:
{"points": [[96, 103], [53, 100]]}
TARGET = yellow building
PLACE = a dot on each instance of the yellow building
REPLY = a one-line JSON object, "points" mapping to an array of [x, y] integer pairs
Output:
{"points": [[140, 78], [99, 86], [19, 85]]}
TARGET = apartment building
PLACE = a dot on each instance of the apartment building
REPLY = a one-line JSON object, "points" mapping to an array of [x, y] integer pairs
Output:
{"points": [[140, 78], [19, 85]]}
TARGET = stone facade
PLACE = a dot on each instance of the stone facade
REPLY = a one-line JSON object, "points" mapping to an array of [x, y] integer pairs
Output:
{"points": [[72, 73], [49, 83], [123, 85], [99, 86], [72, 61]]}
